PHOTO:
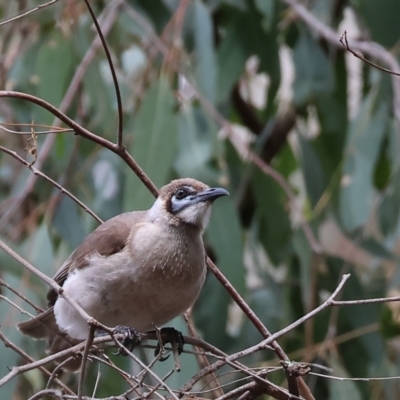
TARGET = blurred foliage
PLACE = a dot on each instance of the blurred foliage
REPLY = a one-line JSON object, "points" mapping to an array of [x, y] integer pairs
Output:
{"points": [[319, 116]]}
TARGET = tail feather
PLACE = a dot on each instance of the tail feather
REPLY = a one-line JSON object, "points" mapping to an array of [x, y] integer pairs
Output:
{"points": [[44, 326]]}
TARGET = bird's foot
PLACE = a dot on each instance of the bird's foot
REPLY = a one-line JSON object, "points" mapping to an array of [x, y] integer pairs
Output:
{"points": [[170, 335], [131, 338]]}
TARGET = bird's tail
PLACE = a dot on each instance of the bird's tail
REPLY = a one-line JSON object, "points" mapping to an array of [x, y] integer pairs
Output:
{"points": [[44, 326]]}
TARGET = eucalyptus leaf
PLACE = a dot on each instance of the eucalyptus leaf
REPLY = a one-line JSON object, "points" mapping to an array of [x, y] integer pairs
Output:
{"points": [[155, 135]]}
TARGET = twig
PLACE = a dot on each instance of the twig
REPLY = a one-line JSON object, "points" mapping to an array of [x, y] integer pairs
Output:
{"points": [[372, 49], [266, 342], [47, 392], [6, 285], [22, 311], [364, 301], [59, 290], [25, 13], [201, 358], [110, 13], [80, 130], [118, 3], [89, 342], [345, 43], [144, 366], [54, 183], [16, 370]]}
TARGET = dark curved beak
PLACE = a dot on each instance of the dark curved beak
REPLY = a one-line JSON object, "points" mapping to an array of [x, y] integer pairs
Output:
{"points": [[211, 194]]}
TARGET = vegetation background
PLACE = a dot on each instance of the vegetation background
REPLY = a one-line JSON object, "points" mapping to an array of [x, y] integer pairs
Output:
{"points": [[252, 95]]}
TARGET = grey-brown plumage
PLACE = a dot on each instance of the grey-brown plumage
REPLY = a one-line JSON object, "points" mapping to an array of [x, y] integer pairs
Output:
{"points": [[138, 269]]}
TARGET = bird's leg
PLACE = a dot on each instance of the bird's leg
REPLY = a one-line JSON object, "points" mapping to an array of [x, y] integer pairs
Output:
{"points": [[170, 335], [131, 338]]}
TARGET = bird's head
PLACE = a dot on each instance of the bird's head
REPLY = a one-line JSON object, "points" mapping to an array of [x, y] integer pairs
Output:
{"points": [[186, 201]]}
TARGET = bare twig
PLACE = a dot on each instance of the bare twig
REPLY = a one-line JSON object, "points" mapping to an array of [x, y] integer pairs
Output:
{"points": [[345, 43], [54, 183], [110, 13], [371, 49], [80, 130], [6, 285], [82, 371], [59, 290], [27, 12], [51, 129], [118, 3], [16, 370]]}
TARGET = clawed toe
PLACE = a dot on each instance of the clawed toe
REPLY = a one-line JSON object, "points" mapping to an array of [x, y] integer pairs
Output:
{"points": [[131, 338], [173, 336]]}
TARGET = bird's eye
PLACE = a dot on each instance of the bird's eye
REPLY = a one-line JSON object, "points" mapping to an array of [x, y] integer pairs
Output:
{"points": [[181, 194]]}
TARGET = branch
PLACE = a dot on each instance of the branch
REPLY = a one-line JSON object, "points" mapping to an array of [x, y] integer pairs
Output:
{"points": [[54, 183], [345, 43], [80, 130], [110, 13], [117, 4], [265, 343], [16, 370], [59, 290], [372, 49], [27, 12]]}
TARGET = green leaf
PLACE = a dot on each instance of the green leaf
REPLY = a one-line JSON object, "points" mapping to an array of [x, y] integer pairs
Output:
{"points": [[204, 39], [231, 56], [68, 223], [362, 150], [154, 146], [384, 29], [53, 72], [303, 251], [225, 235], [342, 389], [266, 7], [312, 78], [195, 145], [313, 172], [274, 224], [389, 208]]}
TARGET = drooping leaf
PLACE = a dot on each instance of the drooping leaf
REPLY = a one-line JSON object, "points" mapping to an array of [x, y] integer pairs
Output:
{"points": [[312, 78], [155, 133], [362, 149]]}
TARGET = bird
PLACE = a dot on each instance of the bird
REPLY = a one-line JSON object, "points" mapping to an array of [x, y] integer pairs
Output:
{"points": [[139, 269]]}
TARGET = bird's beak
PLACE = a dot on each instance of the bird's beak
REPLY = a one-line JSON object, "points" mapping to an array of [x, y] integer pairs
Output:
{"points": [[210, 194]]}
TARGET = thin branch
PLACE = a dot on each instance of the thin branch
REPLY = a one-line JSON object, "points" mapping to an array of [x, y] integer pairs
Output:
{"points": [[47, 393], [82, 371], [16, 370], [364, 301], [53, 130], [201, 358], [340, 378], [144, 366], [6, 299], [110, 13], [345, 43], [54, 183], [27, 12], [261, 346], [6, 285], [118, 3], [80, 130], [59, 290], [238, 299], [327, 303], [372, 49]]}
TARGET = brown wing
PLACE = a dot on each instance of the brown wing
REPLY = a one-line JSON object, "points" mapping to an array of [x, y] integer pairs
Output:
{"points": [[109, 238]]}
